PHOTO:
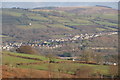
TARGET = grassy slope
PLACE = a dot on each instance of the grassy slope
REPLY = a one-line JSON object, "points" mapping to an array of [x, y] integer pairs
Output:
{"points": [[69, 19], [71, 67], [3, 36], [31, 56], [6, 59]]}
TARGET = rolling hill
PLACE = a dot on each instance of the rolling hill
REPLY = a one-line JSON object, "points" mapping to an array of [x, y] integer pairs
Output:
{"points": [[55, 22]]}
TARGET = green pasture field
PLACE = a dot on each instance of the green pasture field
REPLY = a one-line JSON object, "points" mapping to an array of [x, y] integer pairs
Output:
{"points": [[31, 56], [68, 67], [110, 16], [59, 26], [12, 13], [6, 59], [100, 29], [106, 23], [33, 26], [38, 17], [3, 36]]}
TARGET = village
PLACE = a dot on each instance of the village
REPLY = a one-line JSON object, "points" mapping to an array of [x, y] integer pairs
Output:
{"points": [[56, 43]]}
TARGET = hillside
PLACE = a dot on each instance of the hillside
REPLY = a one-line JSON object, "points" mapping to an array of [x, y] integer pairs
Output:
{"points": [[31, 73], [56, 22], [14, 63]]}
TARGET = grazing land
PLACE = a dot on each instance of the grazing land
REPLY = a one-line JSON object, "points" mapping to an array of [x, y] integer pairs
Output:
{"points": [[66, 67]]}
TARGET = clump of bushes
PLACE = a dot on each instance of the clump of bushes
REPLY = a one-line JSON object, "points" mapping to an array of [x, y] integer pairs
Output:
{"points": [[27, 50]]}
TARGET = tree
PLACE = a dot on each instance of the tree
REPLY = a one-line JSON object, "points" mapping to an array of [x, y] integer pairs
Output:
{"points": [[111, 58], [66, 54], [87, 55], [113, 70], [84, 72], [27, 50], [51, 58], [98, 58]]}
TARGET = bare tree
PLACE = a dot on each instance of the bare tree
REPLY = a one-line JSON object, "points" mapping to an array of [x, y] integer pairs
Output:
{"points": [[113, 70], [84, 72], [87, 55], [98, 57]]}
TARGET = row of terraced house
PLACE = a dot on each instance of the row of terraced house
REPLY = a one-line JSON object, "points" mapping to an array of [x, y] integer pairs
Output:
{"points": [[53, 43]]}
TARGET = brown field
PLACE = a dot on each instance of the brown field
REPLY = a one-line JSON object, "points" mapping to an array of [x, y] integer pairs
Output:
{"points": [[11, 72]]}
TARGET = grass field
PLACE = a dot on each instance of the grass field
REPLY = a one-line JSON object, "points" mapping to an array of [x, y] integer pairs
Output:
{"points": [[3, 36], [100, 29], [33, 26], [106, 23], [69, 68], [6, 59], [110, 16], [31, 56]]}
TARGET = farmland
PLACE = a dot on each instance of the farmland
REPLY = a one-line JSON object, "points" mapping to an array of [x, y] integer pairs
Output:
{"points": [[68, 68], [55, 21]]}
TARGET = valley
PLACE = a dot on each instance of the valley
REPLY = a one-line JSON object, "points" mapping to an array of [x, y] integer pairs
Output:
{"points": [[60, 42]]}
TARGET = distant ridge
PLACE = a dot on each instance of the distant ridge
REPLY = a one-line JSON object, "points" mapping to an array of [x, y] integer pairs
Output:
{"points": [[45, 7], [103, 6]]}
